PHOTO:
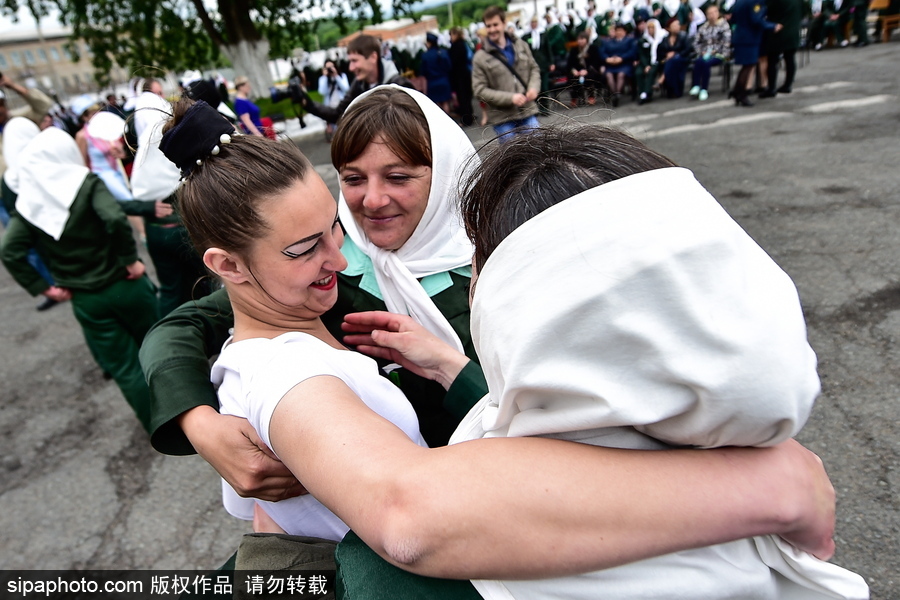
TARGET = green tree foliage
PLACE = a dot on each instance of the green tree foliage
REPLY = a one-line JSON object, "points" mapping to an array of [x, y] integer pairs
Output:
{"points": [[146, 35]]}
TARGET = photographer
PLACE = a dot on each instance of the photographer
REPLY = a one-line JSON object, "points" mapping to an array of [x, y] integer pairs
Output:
{"points": [[333, 86], [369, 70]]}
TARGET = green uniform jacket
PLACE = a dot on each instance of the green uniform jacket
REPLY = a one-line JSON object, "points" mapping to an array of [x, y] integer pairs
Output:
{"points": [[556, 41], [95, 246], [175, 358], [789, 13]]}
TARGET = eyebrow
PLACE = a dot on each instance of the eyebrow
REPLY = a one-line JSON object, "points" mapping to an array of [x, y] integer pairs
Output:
{"points": [[309, 238], [303, 241]]}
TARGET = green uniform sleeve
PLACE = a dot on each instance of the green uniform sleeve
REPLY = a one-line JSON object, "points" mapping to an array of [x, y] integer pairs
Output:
{"points": [[466, 390], [110, 212], [16, 242], [139, 208], [175, 359]]}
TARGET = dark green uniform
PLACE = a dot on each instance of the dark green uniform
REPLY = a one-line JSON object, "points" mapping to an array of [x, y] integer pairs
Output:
{"points": [[90, 259], [829, 20]]}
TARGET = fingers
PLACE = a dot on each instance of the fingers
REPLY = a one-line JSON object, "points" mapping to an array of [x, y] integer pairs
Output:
{"points": [[251, 434], [360, 339], [374, 319], [375, 351]]}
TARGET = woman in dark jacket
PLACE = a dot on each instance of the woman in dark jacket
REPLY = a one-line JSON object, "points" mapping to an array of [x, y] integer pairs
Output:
{"points": [[748, 19], [675, 51], [788, 13], [619, 52]]}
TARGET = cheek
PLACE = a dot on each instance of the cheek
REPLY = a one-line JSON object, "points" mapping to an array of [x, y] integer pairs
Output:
{"points": [[354, 197]]}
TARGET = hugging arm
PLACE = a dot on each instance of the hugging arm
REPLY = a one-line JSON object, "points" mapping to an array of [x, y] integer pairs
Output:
{"points": [[184, 408], [486, 508]]}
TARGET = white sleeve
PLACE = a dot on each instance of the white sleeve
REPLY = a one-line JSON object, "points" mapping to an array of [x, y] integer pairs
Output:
{"points": [[291, 365]]}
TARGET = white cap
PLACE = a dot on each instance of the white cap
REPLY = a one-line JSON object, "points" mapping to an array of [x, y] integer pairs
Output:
{"points": [[82, 103], [106, 126]]}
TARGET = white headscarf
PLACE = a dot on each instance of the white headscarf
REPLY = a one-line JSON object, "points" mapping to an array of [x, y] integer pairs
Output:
{"points": [[439, 242], [665, 317], [18, 132], [654, 39], [535, 34], [639, 314], [51, 171], [671, 6], [153, 176]]}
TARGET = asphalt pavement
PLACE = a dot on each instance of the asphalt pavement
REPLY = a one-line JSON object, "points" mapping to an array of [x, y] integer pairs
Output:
{"points": [[813, 177]]}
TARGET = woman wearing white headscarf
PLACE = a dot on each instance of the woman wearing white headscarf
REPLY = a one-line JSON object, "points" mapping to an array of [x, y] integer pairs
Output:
{"points": [[154, 180], [648, 60], [406, 252], [669, 326], [17, 133], [81, 231], [606, 314]]}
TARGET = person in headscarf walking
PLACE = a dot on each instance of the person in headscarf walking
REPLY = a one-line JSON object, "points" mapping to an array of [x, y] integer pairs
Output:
{"points": [[80, 229]]}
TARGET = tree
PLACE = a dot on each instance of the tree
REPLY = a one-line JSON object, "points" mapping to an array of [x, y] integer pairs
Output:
{"points": [[147, 35]]}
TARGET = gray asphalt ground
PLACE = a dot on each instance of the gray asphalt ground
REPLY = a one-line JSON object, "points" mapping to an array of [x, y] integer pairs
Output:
{"points": [[812, 176]]}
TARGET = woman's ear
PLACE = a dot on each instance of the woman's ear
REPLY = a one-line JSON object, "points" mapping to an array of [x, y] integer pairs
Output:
{"points": [[225, 265]]}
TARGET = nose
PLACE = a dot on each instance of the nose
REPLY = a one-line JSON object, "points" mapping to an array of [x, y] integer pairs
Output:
{"points": [[336, 260], [376, 196]]}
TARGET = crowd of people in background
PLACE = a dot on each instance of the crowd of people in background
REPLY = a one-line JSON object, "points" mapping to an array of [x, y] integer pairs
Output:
{"points": [[638, 49]]}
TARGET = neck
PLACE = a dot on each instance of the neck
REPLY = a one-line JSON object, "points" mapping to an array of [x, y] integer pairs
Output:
{"points": [[373, 76], [501, 43], [255, 318]]}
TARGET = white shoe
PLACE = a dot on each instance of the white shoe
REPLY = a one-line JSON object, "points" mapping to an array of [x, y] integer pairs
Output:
{"points": [[703, 95], [845, 43], [643, 95], [694, 90], [817, 47]]}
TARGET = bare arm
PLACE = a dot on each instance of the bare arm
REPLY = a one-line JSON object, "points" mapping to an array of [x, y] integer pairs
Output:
{"points": [[485, 508], [248, 123]]}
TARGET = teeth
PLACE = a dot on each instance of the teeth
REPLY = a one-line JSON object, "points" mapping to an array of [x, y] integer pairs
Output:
{"points": [[325, 281]]}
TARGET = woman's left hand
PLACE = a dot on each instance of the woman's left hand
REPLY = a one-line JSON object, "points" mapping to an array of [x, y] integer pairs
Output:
{"points": [[402, 340]]}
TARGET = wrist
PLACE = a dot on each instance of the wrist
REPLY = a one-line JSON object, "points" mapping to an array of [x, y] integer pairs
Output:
{"points": [[194, 422], [450, 370]]}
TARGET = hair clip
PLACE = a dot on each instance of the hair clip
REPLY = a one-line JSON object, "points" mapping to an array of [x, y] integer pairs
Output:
{"points": [[201, 133]]}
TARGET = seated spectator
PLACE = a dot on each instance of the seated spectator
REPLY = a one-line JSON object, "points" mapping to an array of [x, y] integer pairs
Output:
{"points": [[619, 53], [248, 112], [829, 19], [676, 51], [713, 46], [648, 60], [585, 66]]}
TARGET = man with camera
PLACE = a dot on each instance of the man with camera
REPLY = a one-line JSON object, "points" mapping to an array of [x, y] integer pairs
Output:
{"points": [[333, 86], [369, 70]]}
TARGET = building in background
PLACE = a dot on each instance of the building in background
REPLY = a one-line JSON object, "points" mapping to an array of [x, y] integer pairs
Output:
{"points": [[40, 58]]}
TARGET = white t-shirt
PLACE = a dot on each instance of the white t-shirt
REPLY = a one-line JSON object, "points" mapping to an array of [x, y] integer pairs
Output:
{"points": [[253, 375]]}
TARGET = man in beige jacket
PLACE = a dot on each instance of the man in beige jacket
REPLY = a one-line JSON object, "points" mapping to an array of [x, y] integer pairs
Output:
{"points": [[38, 106], [506, 78]]}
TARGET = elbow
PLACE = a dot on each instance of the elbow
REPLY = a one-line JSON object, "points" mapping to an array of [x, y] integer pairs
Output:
{"points": [[411, 531]]}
